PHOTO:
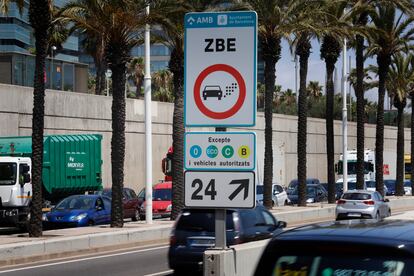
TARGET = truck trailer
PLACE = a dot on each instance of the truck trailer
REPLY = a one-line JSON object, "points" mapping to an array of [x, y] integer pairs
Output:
{"points": [[72, 164]]}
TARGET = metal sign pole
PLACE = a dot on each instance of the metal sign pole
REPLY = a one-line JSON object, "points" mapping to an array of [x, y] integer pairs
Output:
{"points": [[220, 226]]}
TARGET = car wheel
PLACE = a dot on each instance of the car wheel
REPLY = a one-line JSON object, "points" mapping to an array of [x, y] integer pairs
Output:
{"points": [[91, 223], [273, 203], [136, 216], [286, 202], [389, 213], [377, 216]]}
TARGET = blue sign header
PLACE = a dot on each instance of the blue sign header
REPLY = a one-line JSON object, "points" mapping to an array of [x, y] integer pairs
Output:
{"points": [[220, 19]]}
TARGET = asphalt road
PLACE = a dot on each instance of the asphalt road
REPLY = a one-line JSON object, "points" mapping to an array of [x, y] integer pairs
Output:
{"points": [[140, 261]]}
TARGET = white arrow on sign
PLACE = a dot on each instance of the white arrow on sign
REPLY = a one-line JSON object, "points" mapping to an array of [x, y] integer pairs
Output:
{"points": [[220, 189]]}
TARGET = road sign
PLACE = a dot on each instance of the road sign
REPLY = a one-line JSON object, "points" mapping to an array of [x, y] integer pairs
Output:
{"points": [[220, 189], [220, 151], [220, 69]]}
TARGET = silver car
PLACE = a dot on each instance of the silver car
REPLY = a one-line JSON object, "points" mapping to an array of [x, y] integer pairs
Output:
{"points": [[356, 204]]}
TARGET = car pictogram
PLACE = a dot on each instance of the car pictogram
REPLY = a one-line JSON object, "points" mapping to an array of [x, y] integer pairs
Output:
{"points": [[212, 91]]}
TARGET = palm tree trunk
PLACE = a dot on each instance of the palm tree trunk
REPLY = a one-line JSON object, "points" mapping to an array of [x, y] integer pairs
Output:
{"points": [[303, 51], [360, 105], [330, 150], [383, 64], [399, 186], [412, 143], [177, 68], [39, 15], [118, 68], [270, 78]]}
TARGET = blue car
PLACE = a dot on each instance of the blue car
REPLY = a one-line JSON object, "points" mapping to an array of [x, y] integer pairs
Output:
{"points": [[79, 210]]}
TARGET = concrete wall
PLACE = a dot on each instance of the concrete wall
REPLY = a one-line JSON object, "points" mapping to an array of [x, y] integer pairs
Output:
{"points": [[68, 112]]}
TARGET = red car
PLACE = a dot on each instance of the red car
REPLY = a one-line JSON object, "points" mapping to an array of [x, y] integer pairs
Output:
{"points": [[130, 202], [161, 200]]}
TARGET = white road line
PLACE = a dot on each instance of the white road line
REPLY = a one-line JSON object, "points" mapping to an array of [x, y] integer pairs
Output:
{"points": [[83, 259], [160, 273]]}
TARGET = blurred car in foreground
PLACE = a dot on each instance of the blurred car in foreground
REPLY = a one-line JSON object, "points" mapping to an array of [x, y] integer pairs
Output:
{"points": [[161, 201], [362, 204], [130, 202], [79, 210], [358, 247], [194, 232], [279, 195], [314, 193]]}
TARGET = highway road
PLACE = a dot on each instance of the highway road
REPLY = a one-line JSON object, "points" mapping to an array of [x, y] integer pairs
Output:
{"points": [[137, 261]]}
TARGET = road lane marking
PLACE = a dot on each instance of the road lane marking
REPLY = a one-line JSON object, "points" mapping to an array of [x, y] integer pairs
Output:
{"points": [[160, 273], [84, 259]]}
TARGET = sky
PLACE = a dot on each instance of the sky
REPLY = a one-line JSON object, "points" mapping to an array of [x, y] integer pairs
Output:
{"points": [[285, 70]]}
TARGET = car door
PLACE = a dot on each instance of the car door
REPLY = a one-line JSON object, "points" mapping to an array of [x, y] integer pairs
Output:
{"points": [[126, 201], [381, 205], [99, 211]]}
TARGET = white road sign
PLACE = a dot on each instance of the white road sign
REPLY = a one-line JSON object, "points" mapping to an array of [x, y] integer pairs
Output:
{"points": [[220, 69], [220, 189], [221, 151]]}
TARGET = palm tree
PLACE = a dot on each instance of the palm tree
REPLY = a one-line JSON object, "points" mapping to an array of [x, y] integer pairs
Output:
{"points": [[387, 36], [314, 90], [274, 16], [162, 84], [399, 84], [120, 23], [135, 68], [40, 21], [330, 52]]}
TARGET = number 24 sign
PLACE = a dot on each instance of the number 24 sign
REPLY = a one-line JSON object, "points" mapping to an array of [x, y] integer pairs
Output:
{"points": [[220, 189]]}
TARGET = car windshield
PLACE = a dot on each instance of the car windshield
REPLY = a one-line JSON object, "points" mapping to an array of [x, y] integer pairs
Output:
{"points": [[107, 193], [356, 196], [336, 265], [75, 203], [201, 220], [8, 173], [311, 191], [259, 189], [162, 194]]}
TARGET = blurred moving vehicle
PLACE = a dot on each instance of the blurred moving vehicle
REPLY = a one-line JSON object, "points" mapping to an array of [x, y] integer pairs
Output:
{"points": [[362, 204], [358, 247], [130, 202], [79, 210], [314, 193], [161, 200], [279, 195], [194, 232]]}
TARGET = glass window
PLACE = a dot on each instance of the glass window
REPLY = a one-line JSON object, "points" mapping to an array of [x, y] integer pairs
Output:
{"points": [[250, 218], [162, 194], [99, 203], [8, 173], [336, 265], [142, 194], [269, 219], [259, 189], [107, 203], [76, 202], [407, 167], [201, 220], [352, 166], [356, 196], [133, 194], [379, 196], [19, 72], [30, 62], [68, 77], [57, 76]]}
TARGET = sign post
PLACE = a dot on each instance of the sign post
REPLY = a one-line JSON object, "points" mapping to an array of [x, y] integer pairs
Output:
{"points": [[220, 60]]}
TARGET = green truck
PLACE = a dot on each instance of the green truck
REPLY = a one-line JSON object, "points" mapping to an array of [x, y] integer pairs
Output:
{"points": [[72, 164]]}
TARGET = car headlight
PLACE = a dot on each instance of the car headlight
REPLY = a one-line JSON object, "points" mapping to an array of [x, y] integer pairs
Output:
{"points": [[310, 200], [44, 217], [80, 216], [169, 208]]}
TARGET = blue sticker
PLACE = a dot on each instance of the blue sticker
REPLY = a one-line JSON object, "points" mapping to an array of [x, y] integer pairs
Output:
{"points": [[195, 151]]}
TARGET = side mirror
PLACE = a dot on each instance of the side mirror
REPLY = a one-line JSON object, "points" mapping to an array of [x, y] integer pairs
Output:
{"points": [[386, 200], [275, 192], [281, 224]]}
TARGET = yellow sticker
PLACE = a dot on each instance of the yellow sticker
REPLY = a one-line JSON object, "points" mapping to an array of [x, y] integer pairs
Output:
{"points": [[244, 152]]}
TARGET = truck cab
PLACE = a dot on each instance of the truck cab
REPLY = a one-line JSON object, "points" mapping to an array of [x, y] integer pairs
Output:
{"points": [[369, 166], [15, 188]]}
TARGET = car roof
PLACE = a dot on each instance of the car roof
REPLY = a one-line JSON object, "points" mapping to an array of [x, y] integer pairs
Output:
{"points": [[364, 231], [359, 192], [163, 185]]}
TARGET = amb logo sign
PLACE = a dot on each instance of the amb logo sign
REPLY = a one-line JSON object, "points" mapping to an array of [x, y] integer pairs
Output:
{"points": [[220, 69]]}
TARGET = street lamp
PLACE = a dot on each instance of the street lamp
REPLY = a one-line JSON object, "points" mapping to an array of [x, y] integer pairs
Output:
{"points": [[51, 67]]}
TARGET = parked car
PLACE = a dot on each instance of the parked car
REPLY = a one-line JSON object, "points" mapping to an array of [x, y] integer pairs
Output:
{"points": [[294, 183], [371, 186], [161, 201], [390, 184], [279, 195], [194, 232], [362, 204], [366, 247], [314, 193], [130, 202], [79, 210], [407, 187], [338, 189]]}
